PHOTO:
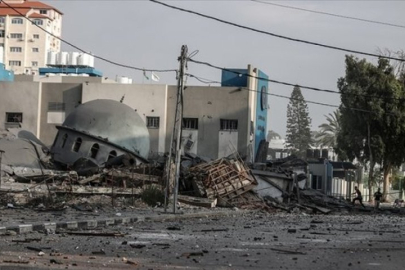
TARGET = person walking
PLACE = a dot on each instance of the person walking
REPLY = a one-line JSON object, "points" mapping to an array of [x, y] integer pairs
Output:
{"points": [[377, 198], [358, 198]]}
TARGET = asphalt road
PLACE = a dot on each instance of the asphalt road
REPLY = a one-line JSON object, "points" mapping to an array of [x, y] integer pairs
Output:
{"points": [[252, 241]]}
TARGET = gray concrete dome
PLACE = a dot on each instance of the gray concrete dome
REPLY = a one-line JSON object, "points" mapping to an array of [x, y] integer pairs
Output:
{"points": [[111, 120]]}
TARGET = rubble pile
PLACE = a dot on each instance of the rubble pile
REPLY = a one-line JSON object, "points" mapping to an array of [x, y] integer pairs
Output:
{"points": [[29, 173], [223, 179]]}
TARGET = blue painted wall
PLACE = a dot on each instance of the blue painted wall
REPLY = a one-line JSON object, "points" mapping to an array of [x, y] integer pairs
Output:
{"points": [[261, 109], [92, 72], [230, 78], [6, 75]]}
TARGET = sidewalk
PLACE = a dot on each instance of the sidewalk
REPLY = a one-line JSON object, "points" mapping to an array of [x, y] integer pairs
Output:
{"points": [[28, 220]]}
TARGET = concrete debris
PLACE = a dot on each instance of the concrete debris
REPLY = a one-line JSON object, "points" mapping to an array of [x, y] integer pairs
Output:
{"points": [[31, 176], [223, 179], [201, 202], [16, 261]]}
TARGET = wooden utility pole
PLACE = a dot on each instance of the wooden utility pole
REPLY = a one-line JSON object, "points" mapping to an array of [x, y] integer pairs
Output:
{"points": [[177, 128], [1, 155]]}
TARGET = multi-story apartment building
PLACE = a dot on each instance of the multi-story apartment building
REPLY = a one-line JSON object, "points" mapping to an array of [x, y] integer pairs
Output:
{"points": [[23, 45]]}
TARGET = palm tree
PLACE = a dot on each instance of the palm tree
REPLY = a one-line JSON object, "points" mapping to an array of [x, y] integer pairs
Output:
{"points": [[327, 135]]}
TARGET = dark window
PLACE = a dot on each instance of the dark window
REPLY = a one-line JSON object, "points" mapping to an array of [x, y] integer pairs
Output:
{"points": [[17, 21], [94, 150], [64, 139], [43, 11], [112, 154], [15, 49], [56, 107], [152, 122], [14, 63], [14, 117], [316, 182], [227, 124], [16, 35], [77, 144], [38, 22], [190, 123], [2, 35]]}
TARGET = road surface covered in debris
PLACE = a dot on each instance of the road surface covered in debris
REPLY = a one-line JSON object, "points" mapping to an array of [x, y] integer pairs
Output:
{"points": [[254, 240]]}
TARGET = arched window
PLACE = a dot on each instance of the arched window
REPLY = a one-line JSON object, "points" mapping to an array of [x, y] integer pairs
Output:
{"points": [[112, 154], [94, 150], [64, 139], [77, 144], [37, 22], [17, 21]]}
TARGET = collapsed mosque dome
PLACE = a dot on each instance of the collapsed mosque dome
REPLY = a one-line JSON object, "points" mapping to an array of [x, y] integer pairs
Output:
{"points": [[101, 129]]}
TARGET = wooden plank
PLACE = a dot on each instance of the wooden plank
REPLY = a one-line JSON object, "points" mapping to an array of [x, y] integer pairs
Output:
{"points": [[202, 202]]}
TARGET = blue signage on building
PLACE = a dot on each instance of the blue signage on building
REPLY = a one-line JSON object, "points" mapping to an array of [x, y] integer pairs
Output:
{"points": [[261, 109]]}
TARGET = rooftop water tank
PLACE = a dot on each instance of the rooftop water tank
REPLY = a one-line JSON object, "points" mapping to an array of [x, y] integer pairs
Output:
{"points": [[83, 60], [123, 80], [91, 61], [62, 58], [51, 61], [73, 58]]}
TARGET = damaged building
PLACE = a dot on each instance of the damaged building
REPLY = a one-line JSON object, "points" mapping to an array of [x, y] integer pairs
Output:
{"points": [[217, 121], [100, 130]]}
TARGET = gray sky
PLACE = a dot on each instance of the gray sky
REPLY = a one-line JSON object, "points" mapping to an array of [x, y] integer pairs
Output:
{"points": [[147, 35]]}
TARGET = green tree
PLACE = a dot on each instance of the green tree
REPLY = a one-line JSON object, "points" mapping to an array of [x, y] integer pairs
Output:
{"points": [[328, 132], [372, 116], [397, 180], [298, 136]]}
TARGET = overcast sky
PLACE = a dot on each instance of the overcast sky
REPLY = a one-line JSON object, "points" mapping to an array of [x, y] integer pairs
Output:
{"points": [[148, 35]]}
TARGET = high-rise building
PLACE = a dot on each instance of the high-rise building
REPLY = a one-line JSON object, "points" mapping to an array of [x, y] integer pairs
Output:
{"points": [[24, 46]]}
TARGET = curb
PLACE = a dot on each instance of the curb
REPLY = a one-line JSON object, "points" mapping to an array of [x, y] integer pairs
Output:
{"points": [[108, 222]]}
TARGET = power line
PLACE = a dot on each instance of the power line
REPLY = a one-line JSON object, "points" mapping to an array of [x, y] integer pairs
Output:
{"points": [[203, 80], [291, 84], [290, 98], [78, 48], [275, 35], [331, 14]]}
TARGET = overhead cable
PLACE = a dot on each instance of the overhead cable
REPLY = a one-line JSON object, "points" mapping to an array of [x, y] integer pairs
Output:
{"points": [[292, 84], [330, 14], [276, 35], [290, 98], [84, 51]]}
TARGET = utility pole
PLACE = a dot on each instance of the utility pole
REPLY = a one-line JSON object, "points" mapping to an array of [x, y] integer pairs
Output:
{"points": [[177, 128], [1, 155]]}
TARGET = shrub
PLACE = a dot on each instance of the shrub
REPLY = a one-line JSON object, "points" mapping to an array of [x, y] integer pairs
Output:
{"points": [[153, 195]]}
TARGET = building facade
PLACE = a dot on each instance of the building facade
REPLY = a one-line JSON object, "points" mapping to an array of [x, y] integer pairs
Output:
{"points": [[217, 121], [23, 45]]}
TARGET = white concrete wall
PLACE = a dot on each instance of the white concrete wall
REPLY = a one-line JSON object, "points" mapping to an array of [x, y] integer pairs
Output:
{"points": [[227, 143], [146, 99], [265, 189], [22, 97]]}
